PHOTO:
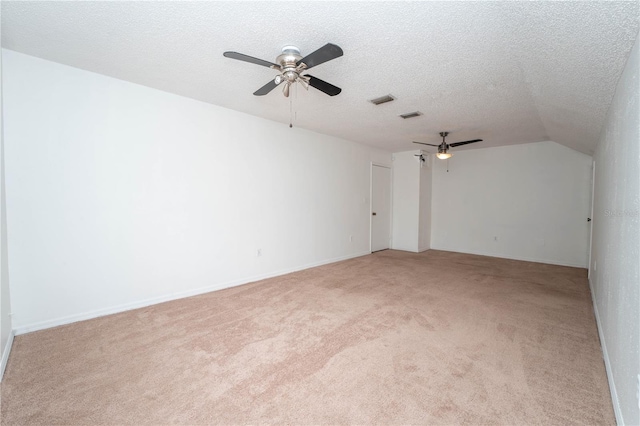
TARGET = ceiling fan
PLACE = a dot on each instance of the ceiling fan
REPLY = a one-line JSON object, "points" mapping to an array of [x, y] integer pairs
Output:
{"points": [[292, 65], [443, 148]]}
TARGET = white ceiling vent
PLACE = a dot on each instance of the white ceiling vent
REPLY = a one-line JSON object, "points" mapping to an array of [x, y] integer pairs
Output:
{"points": [[411, 114], [382, 99]]}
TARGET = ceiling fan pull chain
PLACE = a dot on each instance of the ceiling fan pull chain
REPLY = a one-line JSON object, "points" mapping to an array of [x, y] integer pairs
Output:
{"points": [[291, 112], [295, 113]]}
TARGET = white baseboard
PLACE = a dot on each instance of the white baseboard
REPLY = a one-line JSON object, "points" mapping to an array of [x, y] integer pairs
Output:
{"points": [[524, 259], [28, 328], [607, 363], [5, 354]]}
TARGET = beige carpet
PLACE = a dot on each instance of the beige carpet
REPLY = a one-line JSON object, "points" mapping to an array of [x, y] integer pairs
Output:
{"points": [[391, 338]]}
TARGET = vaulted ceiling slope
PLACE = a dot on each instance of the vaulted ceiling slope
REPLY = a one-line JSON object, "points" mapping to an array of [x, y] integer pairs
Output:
{"points": [[507, 72]]}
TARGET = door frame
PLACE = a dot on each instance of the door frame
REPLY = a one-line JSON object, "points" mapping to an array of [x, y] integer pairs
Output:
{"points": [[593, 193], [386, 166]]}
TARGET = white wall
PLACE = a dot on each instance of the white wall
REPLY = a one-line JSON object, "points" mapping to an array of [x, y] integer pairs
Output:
{"points": [[406, 203], [615, 262], [119, 195], [6, 335], [411, 202], [528, 202], [424, 238]]}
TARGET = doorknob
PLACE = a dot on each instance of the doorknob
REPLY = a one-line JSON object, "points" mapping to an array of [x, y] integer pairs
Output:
{"points": [[373, 214]]}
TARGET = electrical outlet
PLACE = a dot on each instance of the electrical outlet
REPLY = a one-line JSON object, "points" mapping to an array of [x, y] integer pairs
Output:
{"points": [[259, 252]]}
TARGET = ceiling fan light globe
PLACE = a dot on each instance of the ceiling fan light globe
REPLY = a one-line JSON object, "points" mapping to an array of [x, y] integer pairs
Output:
{"points": [[443, 155]]}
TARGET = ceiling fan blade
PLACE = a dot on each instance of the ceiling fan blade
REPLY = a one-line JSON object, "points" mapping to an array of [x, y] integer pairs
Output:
{"points": [[422, 143], [465, 142], [251, 59], [325, 53], [266, 88], [323, 86]]}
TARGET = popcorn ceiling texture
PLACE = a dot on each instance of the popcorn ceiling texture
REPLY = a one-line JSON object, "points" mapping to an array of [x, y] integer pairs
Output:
{"points": [[507, 72]]}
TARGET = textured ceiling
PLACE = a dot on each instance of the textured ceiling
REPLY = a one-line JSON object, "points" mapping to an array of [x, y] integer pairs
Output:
{"points": [[507, 72]]}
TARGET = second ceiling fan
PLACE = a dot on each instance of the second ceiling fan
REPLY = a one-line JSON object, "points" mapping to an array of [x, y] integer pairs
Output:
{"points": [[443, 148]]}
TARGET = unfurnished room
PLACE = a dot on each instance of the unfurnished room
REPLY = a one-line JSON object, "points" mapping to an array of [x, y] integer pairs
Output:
{"points": [[320, 213]]}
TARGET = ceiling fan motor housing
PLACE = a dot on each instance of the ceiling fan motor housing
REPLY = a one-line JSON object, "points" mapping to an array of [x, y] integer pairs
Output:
{"points": [[290, 55], [287, 60]]}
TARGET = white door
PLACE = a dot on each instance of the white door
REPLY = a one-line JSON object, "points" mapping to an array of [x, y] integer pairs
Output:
{"points": [[380, 207]]}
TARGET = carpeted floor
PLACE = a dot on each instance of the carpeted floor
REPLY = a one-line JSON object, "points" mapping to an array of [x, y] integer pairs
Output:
{"points": [[391, 338]]}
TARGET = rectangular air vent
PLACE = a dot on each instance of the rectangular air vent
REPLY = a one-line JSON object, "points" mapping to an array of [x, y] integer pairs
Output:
{"points": [[382, 99], [411, 114]]}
